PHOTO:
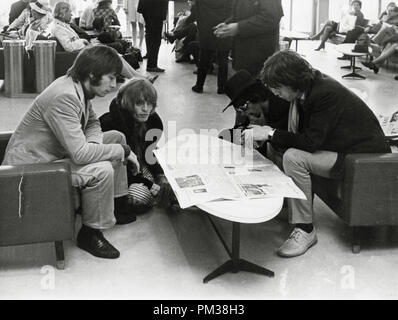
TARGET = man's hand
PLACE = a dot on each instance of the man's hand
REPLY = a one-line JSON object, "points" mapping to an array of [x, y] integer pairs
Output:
{"points": [[133, 159], [260, 133], [226, 30]]}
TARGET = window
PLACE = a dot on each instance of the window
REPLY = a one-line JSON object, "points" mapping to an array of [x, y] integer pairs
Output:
{"points": [[294, 11]]}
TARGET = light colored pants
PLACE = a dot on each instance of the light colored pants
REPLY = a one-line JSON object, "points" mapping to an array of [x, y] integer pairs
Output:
{"points": [[299, 165], [99, 183]]}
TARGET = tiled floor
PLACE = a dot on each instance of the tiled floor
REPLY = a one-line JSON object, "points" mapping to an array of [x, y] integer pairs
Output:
{"points": [[166, 255]]}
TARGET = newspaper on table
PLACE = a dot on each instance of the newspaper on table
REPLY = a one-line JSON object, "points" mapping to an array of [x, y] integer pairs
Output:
{"points": [[389, 124], [205, 168]]}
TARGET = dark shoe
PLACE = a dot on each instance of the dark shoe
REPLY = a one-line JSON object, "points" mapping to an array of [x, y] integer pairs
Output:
{"points": [[183, 59], [344, 57], [170, 38], [124, 213], [197, 89], [320, 47], [155, 69], [371, 66], [396, 77], [94, 242]]}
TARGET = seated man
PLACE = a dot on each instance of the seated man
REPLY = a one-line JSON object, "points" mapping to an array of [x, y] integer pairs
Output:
{"points": [[326, 121], [133, 112], [61, 126]]}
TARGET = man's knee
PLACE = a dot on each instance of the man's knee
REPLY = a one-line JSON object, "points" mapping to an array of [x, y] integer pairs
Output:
{"points": [[292, 158], [114, 136], [104, 171]]}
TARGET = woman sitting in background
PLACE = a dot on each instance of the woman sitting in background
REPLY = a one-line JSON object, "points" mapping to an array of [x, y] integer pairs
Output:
{"points": [[39, 22], [133, 113], [330, 28]]}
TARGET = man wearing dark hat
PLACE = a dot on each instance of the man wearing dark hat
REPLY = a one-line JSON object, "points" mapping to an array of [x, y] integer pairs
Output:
{"points": [[254, 104]]}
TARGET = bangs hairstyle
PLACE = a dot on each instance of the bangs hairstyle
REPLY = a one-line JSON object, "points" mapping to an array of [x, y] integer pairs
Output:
{"points": [[357, 1], [137, 91], [287, 68], [94, 62]]}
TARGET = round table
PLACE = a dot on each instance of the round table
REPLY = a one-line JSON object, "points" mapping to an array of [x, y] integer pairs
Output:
{"points": [[346, 49]]}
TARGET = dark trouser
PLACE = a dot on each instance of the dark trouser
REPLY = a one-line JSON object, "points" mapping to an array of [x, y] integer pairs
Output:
{"points": [[153, 38], [204, 60]]}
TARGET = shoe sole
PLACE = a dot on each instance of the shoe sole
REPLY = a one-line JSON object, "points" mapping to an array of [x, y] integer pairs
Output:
{"points": [[97, 255], [299, 254]]}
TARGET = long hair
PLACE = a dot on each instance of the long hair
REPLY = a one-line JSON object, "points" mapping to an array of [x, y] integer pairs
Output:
{"points": [[60, 9], [135, 92], [94, 62], [288, 68]]}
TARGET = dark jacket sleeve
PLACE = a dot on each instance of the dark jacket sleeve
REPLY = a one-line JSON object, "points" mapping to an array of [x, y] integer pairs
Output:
{"points": [[325, 113], [266, 19]]}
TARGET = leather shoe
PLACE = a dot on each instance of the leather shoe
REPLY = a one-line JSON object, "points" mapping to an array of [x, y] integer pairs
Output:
{"points": [[94, 242], [197, 89], [396, 77], [344, 57], [155, 69]]}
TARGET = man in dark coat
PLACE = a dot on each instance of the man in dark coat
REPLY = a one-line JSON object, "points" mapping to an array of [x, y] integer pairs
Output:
{"points": [[210, 13], [254, 26], [326, 122], [16, 9], [154, 12]]}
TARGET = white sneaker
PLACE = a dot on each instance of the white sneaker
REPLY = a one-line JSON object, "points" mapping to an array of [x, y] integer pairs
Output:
{"points": [[298, 243]]}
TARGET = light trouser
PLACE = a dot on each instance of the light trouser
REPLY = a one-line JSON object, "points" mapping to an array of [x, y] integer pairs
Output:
{"points": [[99, 183], [299, 165]]}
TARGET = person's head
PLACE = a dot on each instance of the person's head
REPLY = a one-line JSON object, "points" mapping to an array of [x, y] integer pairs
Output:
{"points": [[249, 96], [287, 75], [104, 3], [63, 12], [390, 6], [96, 68], [39, 9], [356, 5], [139, 98]]}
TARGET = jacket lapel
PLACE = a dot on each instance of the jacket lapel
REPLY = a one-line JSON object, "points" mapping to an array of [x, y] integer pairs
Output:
{"points": [[84, 108]]}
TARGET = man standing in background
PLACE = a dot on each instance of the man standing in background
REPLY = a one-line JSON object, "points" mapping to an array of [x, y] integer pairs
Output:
{"points": [[254, 26], [154, 12]]}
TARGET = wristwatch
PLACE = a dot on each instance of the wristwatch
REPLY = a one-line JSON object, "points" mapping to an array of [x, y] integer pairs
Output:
{"points": [[271, 134]]}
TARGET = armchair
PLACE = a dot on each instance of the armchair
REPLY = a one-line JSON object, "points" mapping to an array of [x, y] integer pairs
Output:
{"points": [[368, 196], [36, 204]]}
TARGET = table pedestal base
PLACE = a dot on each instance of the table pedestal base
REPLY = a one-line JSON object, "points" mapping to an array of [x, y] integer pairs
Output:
{"points": [[235, 264], [352, 66]]}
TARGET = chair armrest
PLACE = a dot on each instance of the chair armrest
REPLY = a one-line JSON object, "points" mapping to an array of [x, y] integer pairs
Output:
{"points": [[36, 203], [370, 189]]}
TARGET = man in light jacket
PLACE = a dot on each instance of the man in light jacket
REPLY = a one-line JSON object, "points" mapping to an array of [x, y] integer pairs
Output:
{"points": [[62, 126]]}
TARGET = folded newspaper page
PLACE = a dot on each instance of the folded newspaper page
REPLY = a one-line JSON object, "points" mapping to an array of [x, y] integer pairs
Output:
{"points": [[205, 168], [389, 124]]}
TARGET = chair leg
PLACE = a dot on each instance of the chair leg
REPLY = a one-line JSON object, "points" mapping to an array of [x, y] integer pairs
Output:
{"points": [[356, 239], [59, 252]]}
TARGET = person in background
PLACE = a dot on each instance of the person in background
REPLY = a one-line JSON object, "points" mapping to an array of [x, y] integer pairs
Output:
{"points": [[70, 40], [87, 17], [16, 9], [254, 104], [330, 27], [39, 23], [104, 10], [135, 18], [62, 126], [154, 12], [254, 26], [326, 122], [133, 112], [210, 13]]}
